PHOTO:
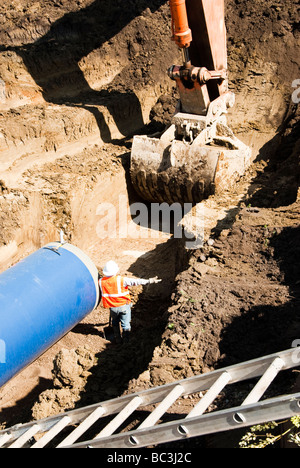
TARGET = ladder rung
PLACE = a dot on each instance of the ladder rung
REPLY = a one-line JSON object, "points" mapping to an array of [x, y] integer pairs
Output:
{"points": [[210, 395], [84, 426], [120, 418], [264, 382], [4, 439], [25, 437], [162, 407], [56, 429]]}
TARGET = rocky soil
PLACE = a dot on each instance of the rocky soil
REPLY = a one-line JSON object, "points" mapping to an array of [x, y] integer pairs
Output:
{"points": [[80, 78]]}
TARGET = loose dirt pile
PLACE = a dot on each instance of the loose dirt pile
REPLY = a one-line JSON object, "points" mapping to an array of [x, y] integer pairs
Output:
{"points": [[80, 79]]}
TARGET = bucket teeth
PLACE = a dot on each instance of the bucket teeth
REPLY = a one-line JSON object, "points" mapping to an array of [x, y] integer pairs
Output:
{"points": [[172, 171]]}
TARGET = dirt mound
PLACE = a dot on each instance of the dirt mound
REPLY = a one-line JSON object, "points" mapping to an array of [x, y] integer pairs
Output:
{"points": [[70, 371]]}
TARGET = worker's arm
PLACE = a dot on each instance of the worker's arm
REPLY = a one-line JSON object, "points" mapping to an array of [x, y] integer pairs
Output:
{"points": [[138, 281]]}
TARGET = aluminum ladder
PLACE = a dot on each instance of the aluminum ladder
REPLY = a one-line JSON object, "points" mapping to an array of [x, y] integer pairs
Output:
{"points": [[65, 430]]}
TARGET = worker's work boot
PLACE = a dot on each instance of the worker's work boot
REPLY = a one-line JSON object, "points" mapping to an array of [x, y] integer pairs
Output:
{"points": [[126, 336], [117, 334]]}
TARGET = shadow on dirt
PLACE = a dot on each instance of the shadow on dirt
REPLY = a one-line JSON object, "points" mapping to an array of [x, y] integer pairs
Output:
{"points": [[277, 185], [269, 329], [117, 365], [21, 410]]}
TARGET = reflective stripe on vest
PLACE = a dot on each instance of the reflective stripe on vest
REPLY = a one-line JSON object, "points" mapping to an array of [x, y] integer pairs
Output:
{"points": [[114, 293]]}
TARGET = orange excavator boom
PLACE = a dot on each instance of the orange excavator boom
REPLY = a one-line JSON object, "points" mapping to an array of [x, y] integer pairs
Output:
{"points": [[198, 155]]}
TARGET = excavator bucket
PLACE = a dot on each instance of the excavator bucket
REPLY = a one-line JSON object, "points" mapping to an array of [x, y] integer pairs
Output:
{"points": [[198, 155], [172, 169]]}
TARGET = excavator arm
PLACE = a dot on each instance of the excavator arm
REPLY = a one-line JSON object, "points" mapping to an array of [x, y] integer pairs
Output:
{"points": [[197, 155], [204, 71]]}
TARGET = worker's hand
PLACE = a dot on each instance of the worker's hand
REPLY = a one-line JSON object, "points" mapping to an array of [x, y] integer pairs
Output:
{"points": [[154, 280]]}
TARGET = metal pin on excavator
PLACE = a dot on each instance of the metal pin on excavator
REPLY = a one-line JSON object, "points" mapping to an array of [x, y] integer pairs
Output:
{"points": [[198, 155]]}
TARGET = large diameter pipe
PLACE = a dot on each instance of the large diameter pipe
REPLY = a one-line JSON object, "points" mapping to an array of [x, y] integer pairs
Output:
{"points": [[42, 298]]}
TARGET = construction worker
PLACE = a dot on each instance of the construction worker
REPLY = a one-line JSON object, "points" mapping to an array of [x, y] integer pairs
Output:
{"points": [[116, 297]]}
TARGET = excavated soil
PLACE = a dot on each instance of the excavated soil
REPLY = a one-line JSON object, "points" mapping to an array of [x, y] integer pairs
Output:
{"points": [[79, 78]]}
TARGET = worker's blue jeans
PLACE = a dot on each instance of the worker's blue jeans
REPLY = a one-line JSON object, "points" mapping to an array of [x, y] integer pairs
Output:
{"points": [[121, 315]]}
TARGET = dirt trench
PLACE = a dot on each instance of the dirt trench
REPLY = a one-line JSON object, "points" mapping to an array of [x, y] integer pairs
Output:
{"points": [[71, 107]]}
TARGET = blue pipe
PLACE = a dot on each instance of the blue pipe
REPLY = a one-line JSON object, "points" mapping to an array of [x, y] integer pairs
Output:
{"points": [[42, 298]]}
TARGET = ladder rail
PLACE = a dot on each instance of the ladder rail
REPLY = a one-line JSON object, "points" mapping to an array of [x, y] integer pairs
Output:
{"points": [[266, 367], [257, 413]]}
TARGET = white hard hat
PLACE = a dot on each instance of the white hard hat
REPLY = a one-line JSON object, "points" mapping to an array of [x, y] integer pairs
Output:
{"points": [[110, 268]]}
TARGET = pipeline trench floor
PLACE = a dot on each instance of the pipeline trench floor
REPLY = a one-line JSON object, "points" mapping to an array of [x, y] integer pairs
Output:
{"points": [[204, 293]]}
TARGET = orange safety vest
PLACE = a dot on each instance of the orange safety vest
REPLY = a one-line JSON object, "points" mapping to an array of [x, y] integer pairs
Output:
{"points": [[114, 293]]}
